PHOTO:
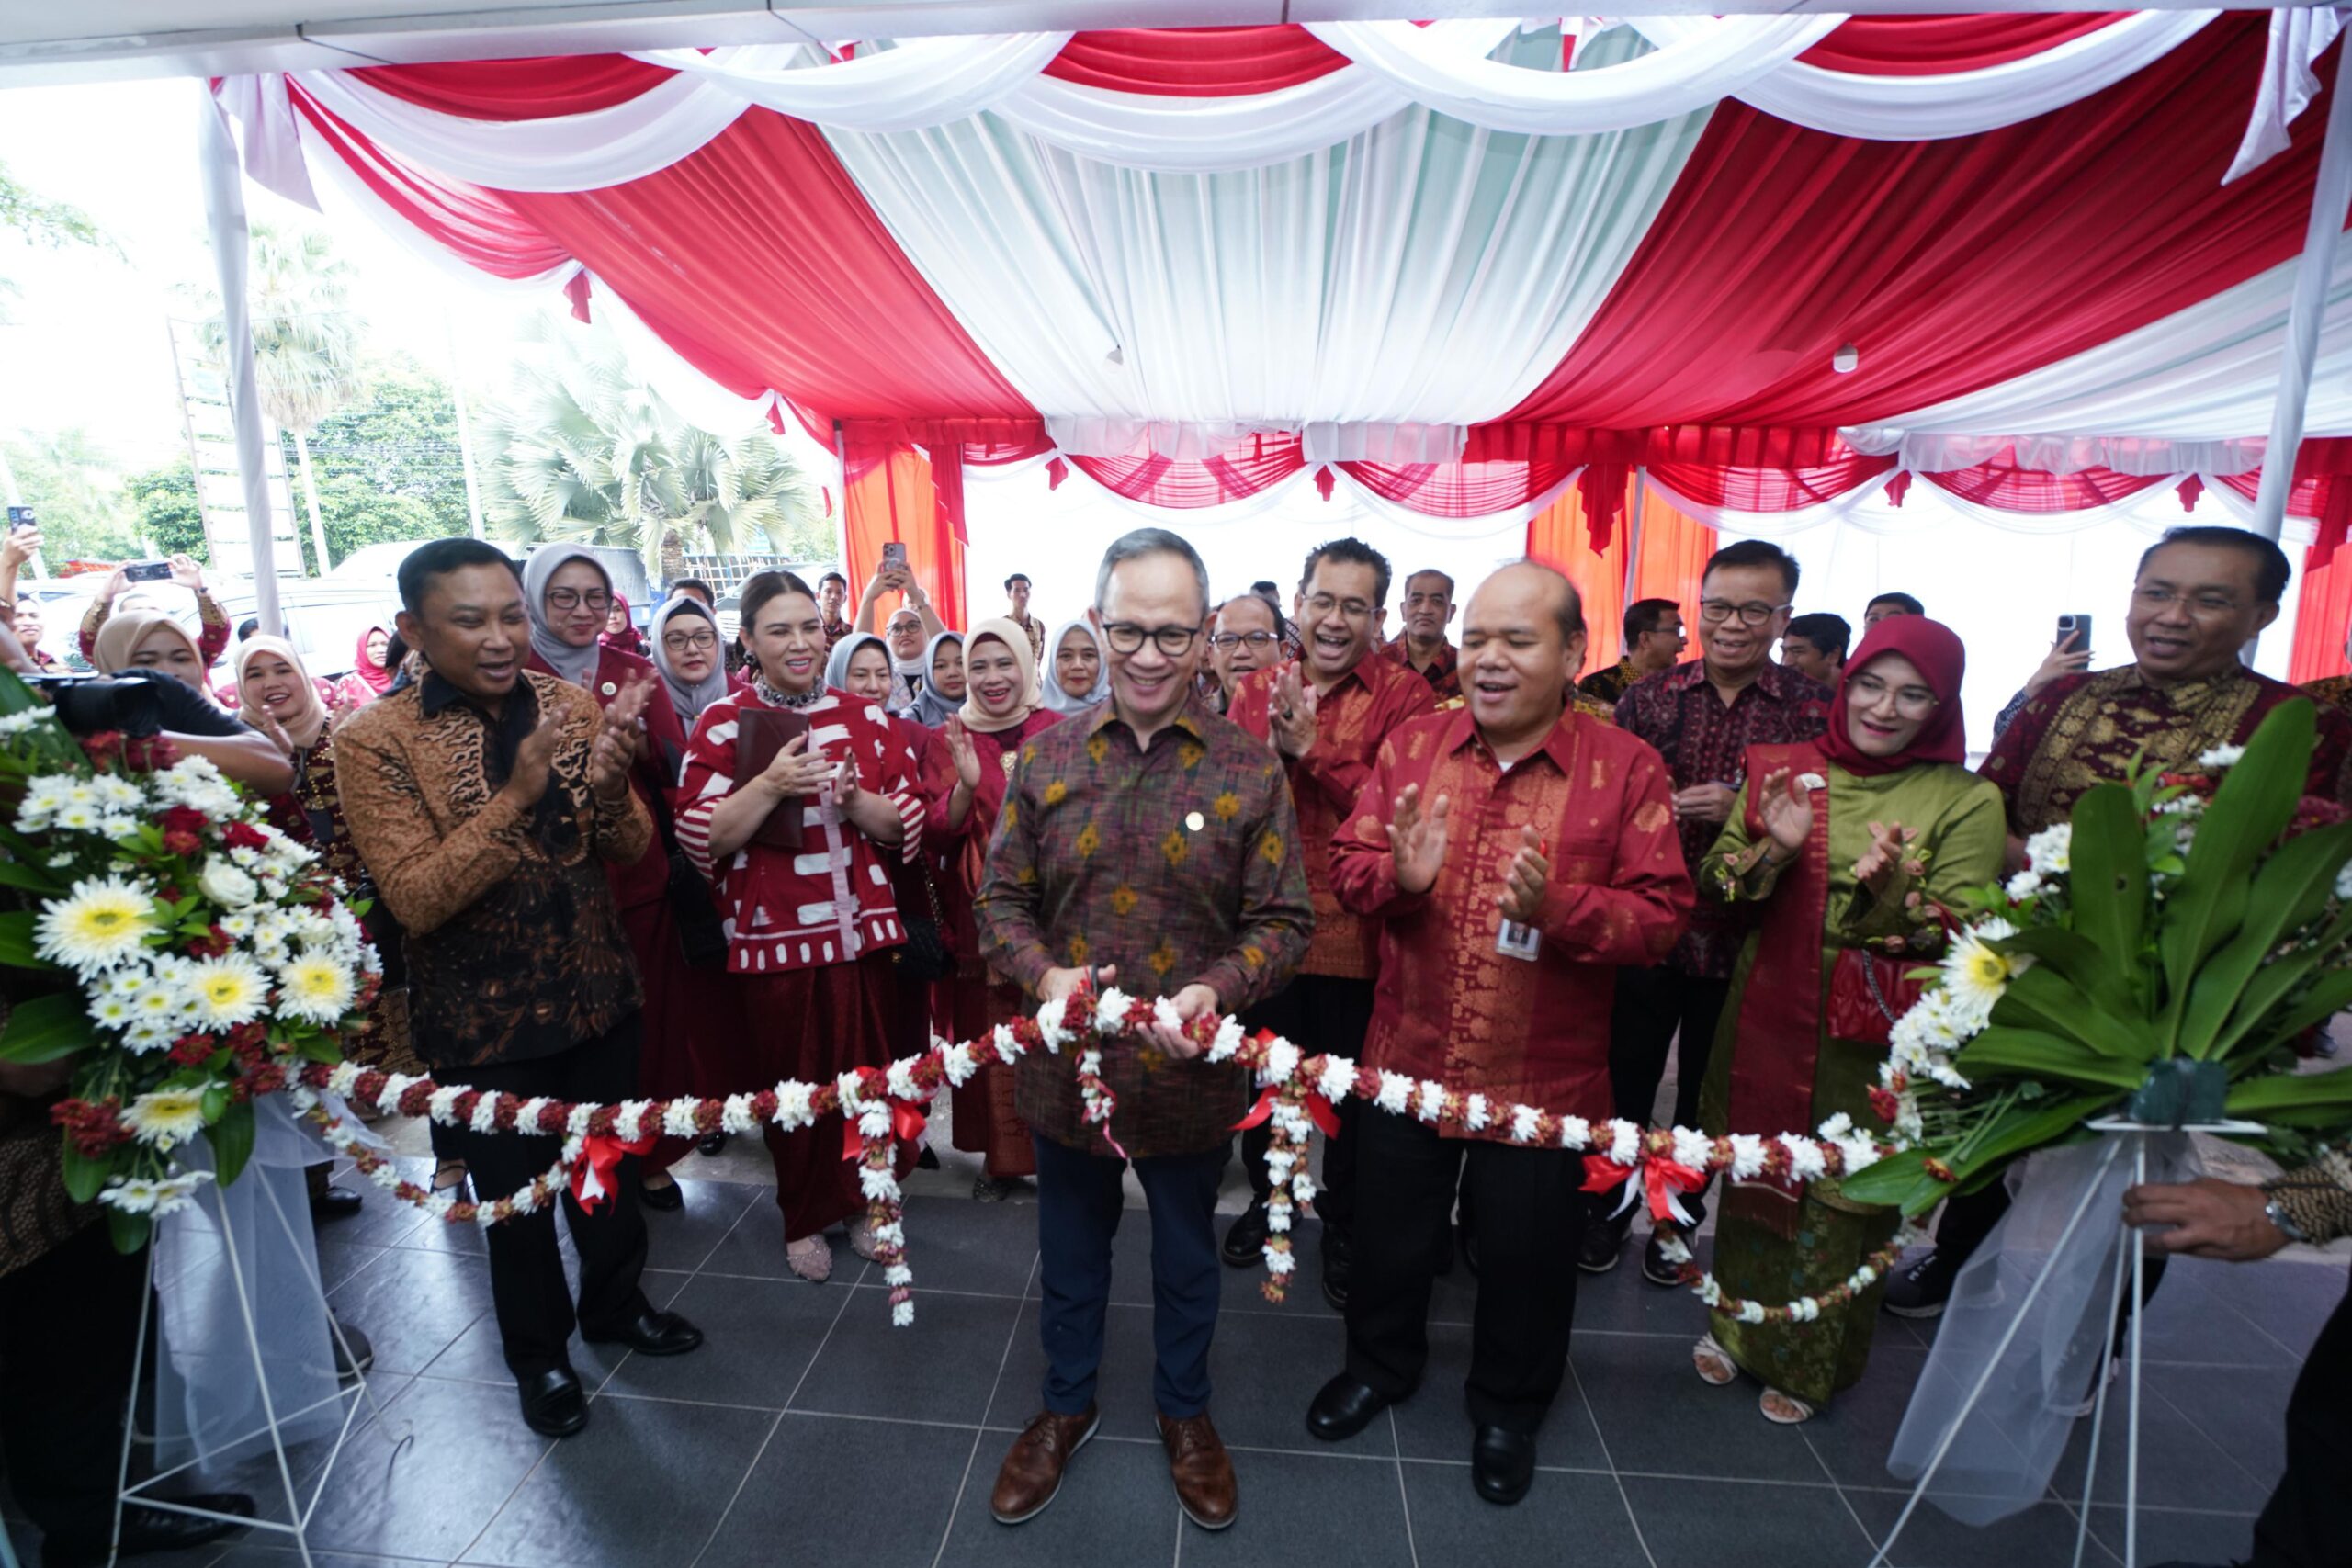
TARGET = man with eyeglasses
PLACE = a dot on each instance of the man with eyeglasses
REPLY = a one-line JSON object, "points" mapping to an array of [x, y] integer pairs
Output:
{"points": [[1325, 716], [1653, 643], [2200, 595], [1421, 646], [1150, 845], [1249, 637], [1702, 716]]}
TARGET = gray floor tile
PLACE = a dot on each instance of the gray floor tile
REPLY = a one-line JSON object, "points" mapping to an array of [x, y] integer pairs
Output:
{"points": [[341, 1257], [2167, 1535], [1703, 1524], [2188, 1322], [478, 1356], [382, 1219], [2290, 1300], [1455, 1528], [2178, 1463], [813, 1498], [954, 1244], [686, 1238], [1621, 1302], [2242, 1409], [1292, 1508], [759, 1336], [1264, 1369], [1854, 1432], [1656, 1417], [637, 1489], [1116, 1509], [1933, 1539], [431, 1495], [1435, 1424], [413, 1305], [939, 1368], [262, 1554], [754, 1246], [1123, 1384]]}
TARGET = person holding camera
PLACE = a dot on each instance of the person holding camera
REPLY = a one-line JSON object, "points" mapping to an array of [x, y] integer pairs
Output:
{"points": [[211, 642], [20, 545]]}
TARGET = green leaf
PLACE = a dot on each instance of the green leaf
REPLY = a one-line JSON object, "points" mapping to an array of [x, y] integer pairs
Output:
{"points": [[1900, 1180], [216, 1103], [83, 1175], [129, 1232], [2041, 999], [2082, 960], [16, 942], [2025, 1128], [2011, 1051], [2331, 994], [17, 874], [2108, 882], [2325, 1097], [45, 1029], [231, 1138], [2292, 890]]}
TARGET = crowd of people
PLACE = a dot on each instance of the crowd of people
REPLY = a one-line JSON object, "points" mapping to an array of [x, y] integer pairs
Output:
{"points": [[608, 864]]}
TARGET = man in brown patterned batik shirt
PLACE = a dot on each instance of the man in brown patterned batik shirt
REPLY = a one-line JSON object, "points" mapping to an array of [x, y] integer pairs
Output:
{"points": [[483, 798], [1152, 845]]}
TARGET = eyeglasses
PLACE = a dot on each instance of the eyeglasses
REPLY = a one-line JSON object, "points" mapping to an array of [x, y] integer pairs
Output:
{"points": [[1354, 609], [1126, 638], [1257, 641], [680, 642], [573, 598], [1714, 612], [1911, 702]]}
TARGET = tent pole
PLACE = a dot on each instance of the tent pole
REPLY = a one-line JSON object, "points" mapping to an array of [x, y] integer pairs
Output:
{"points": [[2331, 194], [224, 212]]}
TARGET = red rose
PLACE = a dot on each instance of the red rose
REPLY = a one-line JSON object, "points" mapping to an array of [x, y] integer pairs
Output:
{"points": [[190, 1050], [1885, 1104], [245, 836]]}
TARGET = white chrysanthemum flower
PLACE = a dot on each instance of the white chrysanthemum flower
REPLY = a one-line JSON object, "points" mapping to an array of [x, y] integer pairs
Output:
{"points": [[1429, 1099], [1007, 1044], [1111, 1006], [166, 1118], [1282, 1063], [1050, 1028], [899, 1079], [110, 1011], [1229, 1037], [141, 1038], [1395, 1093], [1338, 1080], [1804, 1157], [1575, 1133], [95, 926], [228, 991], [792, 1104], [1693, 1149], [316, 990], [1974, 976], [1624, 1142], [484, 1119], [2051, 851], [2344, 884], [959, 1063], [2024, 884], [1523, 1120], [1474, 1114], [2220, 757], [1747, 1157]]}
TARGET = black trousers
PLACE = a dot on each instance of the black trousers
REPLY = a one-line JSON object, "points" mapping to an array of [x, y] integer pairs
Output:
{"points": [[1530, 1210], [1656, 1009], [2308, 1521], [1325, 1014], [526, 1283], [1080, 1202], [69, 1328]]}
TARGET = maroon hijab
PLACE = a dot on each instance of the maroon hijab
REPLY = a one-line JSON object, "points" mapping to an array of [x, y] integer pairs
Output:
{"points": [[1936, 649]]}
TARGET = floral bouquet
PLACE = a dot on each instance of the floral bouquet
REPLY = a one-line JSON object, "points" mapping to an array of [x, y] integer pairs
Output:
{"points": [[188, 951], [2157, 958]]}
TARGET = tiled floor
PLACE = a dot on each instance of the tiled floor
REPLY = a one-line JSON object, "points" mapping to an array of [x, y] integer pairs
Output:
{"points": [[807, 1428]]}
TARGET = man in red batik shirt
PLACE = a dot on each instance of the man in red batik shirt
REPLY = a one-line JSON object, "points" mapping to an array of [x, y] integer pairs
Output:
{"points": [[1420, 644], [1515, 855], [1326, 717]]}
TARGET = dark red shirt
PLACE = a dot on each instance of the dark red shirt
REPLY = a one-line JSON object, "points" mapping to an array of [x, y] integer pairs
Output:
{"points": [[1703, 738], [1444, 673]]}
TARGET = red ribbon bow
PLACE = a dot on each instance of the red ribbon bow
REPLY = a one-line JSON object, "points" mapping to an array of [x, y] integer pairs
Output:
{"points": [[906, 1126], [600, 1160], [1662, 1179], [1317, 1108]]}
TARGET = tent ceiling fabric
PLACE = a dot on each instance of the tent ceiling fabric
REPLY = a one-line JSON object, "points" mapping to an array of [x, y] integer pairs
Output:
{"points": [[1407, 249]]}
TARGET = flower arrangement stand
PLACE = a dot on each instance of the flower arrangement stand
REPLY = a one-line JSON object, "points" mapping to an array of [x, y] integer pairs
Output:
{"points": [[2132, 1251], [352, 1391]]}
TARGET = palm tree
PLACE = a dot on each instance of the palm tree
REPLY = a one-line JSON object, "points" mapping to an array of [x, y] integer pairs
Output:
{"points": [[306, 343], [586, 452]]}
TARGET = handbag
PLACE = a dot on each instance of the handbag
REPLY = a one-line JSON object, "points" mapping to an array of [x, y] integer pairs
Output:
{"points": [[924, 956], [1867, 993], [702, 935]]}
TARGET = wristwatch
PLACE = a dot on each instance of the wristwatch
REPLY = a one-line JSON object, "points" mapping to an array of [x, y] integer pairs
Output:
{"points": [[2285, 1224]]}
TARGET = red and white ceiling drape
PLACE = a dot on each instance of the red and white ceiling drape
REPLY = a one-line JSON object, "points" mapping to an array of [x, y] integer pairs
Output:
{"points": [[1426, 263]]}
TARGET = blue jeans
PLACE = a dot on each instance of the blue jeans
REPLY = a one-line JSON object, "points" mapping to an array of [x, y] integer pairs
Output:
{"points": [[1079, 1204]]}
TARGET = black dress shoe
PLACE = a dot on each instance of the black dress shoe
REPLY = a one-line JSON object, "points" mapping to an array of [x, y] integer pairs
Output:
{"points": [[1344, 1407], [1245, 1243], [669, 1199], [928, 1159], [1603, 1246], [650, 1333], [335, 1203], [153, 1530], [1338, 1266], [554, 1404], [712, 1146], [1654, 1268], [1502, 1463]]}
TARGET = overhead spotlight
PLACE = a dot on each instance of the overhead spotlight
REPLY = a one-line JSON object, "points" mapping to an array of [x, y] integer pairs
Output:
{"points": [[1845, 359], [1118, 354]]}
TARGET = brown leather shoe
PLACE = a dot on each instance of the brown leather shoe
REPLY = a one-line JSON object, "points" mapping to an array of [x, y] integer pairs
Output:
{"points": [[1033, 1468], [1202, 1470]]}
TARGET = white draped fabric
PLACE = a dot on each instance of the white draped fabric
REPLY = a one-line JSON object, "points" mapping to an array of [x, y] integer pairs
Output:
{"points": [[2288, 84], [915, 82], [1202, 135], [1378, 296], [1960, 103], [2198, 376]]}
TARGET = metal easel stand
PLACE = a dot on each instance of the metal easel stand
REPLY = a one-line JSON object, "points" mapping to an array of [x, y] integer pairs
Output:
{"points": [[351, 1391], [2131, 1248]]}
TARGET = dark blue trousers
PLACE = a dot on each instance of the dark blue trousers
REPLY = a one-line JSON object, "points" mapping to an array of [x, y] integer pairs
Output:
{"points": [[1079, 1204]]}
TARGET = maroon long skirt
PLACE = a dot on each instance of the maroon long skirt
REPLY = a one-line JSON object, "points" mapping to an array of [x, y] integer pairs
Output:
{"points": [[692, 1022], [968, 1006], [814, 1024]]}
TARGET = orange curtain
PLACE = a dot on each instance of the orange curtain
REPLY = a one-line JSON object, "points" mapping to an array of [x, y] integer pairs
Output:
{"points": [[2321, 613], [890, 492], [1674, 549]]}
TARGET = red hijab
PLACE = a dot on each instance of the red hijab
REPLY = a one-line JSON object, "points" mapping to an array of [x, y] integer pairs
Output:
{"points": [[1936, 649], [626, 639], [363, 663]]}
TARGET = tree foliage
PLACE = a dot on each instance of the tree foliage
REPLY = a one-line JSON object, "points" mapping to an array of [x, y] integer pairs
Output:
{"points": [[76, 488], [306, 336]]}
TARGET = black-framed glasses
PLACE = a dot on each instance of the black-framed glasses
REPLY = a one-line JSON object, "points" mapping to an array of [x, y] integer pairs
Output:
{"points": [[1911, 702], [1755, 613], [682, 642], [1257, 641], [1353, 609], [573, 598], [1125, 636]]}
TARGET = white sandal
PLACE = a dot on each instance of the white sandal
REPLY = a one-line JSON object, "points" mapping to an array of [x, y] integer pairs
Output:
{"points": [[1715, 1367], [1793, 1411]]}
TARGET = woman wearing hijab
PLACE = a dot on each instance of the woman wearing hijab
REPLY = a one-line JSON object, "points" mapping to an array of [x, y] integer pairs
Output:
{"points": [[1077, 675], [210, 644], [371, 671], [1853, 844], [685, 651], [620, 631], [984, 741], [568, 595], [942, 695]]}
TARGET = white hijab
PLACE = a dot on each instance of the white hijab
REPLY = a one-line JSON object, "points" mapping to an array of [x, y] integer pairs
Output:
{"points": [[689, 697], [576, 666], [1058, 698]]}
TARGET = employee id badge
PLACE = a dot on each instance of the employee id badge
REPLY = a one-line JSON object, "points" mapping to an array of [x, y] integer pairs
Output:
{"points": [[1515, 940]]}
